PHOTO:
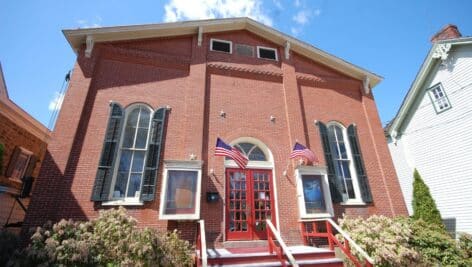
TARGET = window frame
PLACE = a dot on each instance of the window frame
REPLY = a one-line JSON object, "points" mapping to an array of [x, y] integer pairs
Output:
{"points": [[267, 48], [129, 201], [355, 180], [222, 41], [303, 170], [28, 154], [434, 101], [181, 165]]}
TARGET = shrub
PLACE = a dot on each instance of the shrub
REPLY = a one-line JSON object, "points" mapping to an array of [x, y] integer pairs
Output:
{"points": [[465, 244], [383, 238], [424, 207], [406, 242], [8, 243], [435, 245], [113, 239]]}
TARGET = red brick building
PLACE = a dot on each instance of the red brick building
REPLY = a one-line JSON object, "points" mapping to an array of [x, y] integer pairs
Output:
{"points": [[146, 104], [24, 141]]}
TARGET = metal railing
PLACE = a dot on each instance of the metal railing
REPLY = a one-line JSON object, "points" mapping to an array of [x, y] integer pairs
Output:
{"points": [[281, 249], [333, 240], [202, 257]]}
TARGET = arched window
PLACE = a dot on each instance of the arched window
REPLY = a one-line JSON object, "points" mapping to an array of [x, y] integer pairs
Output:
{"points": [[132, 153], [251, 151], [128, 166], [347, 177], [342, 160]]}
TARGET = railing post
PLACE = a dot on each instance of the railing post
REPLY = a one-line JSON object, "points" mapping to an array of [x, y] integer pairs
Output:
{"points": [[330, 235], [346, 245], [304, 234], [269, 239]]}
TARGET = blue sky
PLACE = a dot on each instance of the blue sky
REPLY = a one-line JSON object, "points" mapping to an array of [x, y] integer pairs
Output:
{"points": [[389, 38]]}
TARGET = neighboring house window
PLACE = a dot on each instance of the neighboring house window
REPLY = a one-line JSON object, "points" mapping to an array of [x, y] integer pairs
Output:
{"points": [[128, 166], [312, 188], [181, 186], [346, 173], [21, 164], [439, 98]]}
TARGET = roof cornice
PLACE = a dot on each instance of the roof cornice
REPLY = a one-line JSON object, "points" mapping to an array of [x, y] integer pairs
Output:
{"points": [[78, 37], [415, 88]]}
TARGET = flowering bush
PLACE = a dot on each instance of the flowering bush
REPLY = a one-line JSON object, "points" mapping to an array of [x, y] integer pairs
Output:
{"points": [[465, 243], [406, 242], [113, 239], [384, 239]]}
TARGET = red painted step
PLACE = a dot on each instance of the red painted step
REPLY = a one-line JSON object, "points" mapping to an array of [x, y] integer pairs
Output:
{"points": [[260, 257]]}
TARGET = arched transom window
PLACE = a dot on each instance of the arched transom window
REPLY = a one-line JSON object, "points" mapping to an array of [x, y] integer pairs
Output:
{"points": [[251, 151]]}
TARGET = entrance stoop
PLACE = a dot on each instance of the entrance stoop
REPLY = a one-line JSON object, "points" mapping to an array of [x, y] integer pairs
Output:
{"points": [[241, 256]]}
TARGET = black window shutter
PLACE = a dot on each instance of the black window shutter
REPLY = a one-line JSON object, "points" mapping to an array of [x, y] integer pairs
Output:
{"points": [[12, 163], [153, 154], [334, 184], [101, 188], [359, 164]]}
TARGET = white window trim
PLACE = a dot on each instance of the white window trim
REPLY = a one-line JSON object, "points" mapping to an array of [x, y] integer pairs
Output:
{"points": [[223, 41], [313, 170], [181, 165], [267, 48], [352, 169], [434, 100], [127, 201]]}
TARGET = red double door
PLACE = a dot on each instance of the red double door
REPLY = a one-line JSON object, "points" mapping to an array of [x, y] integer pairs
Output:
{"points": [[249, 202]]}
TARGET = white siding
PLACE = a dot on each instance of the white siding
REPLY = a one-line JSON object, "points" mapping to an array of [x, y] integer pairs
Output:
{"points": [[440, 145]]}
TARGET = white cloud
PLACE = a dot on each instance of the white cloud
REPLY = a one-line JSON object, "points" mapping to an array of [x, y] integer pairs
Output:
{"points": [[297, 3], [177, 10], [277, 4], [317, 12], [296, 30], [302, 17], [94, 23], [56, 102]]}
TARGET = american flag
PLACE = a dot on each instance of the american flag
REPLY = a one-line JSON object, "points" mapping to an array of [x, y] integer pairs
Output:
{"points": [[301, 151], [223, 149]]}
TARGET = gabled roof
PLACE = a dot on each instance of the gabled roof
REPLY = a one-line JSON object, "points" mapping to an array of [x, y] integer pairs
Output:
{"points": [[3, 85], [77, 37], [15, 113], [430, 61]]}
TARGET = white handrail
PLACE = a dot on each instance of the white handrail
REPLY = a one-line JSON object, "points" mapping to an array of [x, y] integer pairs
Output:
{"points": [[348, 238], [203, 248], [276, 233]]}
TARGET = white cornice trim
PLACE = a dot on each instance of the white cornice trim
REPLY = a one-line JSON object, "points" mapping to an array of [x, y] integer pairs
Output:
{"points": [[77, 38]]}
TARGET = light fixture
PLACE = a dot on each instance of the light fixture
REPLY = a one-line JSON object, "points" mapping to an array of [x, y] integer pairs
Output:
{"points": [[222, 114], [272, 118]]}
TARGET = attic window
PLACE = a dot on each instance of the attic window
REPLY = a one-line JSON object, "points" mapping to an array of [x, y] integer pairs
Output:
{"points": [[220, 46], [267, 53], [244, 50], [439, 98]]}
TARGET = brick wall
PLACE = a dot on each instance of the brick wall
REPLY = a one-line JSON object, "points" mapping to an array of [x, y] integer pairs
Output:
{"points": [[12, 135], [198, 84]]}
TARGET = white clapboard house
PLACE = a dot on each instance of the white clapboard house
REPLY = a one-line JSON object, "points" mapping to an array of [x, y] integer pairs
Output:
{"points": [[432, 130]]}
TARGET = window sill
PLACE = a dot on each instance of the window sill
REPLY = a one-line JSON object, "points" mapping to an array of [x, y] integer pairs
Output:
{"points": [[353, 203], [122, 203]]}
